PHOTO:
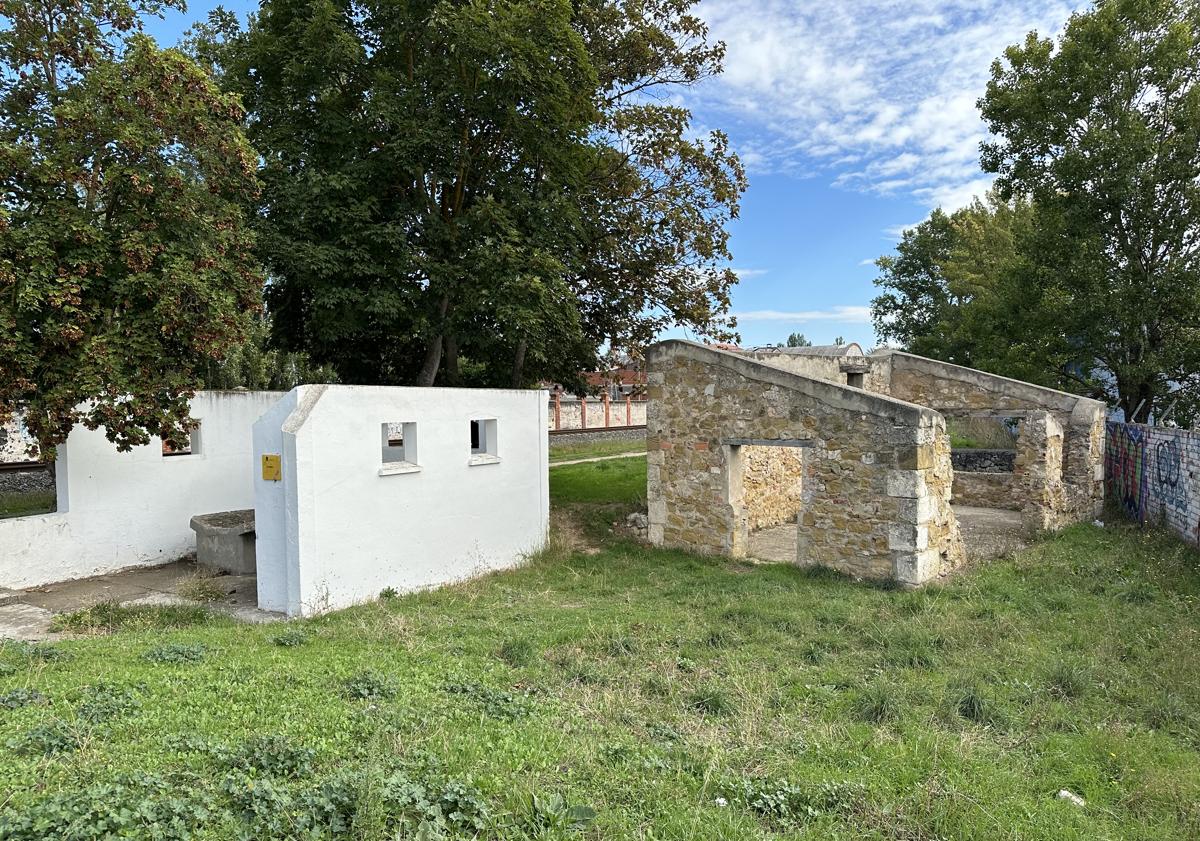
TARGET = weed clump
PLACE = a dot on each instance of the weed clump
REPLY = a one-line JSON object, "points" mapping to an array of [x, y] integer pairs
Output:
{"points": [[711, 701], [517, 651], [782, 802], [370, 686], [274, 756], [290, 638], [50, 738], [496, 703], [105, 701], [877, 704], [203, 589], [1068, 681], [21, 697], [176, 652]]}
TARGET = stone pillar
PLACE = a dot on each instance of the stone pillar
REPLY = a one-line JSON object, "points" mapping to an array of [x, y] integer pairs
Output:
{"points": [[1083, 461], [1039, 471], [924, 537]]}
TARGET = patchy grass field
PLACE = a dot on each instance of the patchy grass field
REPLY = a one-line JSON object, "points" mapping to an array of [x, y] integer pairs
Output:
{"points": [[674, 696], [25, 504], [594, 449]]}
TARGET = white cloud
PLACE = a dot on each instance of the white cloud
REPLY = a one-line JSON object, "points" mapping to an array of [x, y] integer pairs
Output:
{"points": [[878, 94], [745, 274], [848, 315]]}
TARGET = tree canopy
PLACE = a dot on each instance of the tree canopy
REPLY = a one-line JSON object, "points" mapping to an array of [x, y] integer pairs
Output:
{"points": [[125, 257], [481, 192], [1102, 132], [1082, 271]]}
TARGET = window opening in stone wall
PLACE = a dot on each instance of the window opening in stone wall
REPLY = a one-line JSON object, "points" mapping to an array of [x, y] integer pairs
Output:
{"points": [[855, 380]]}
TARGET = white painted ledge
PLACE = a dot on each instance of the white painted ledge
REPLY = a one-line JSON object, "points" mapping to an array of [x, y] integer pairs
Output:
{"points": [[398, 467], [483, 458]]}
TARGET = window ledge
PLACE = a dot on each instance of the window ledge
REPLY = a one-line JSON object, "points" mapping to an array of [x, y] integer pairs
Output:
{"points": [[397, 467], [482, 458]]}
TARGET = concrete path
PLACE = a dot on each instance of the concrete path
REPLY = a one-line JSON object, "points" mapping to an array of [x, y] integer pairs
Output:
{"points": [[28, 614], [596, 458]]}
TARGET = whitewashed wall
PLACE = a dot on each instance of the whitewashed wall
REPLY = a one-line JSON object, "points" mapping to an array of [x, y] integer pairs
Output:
{"points": [[117, 510], [341, 527]]}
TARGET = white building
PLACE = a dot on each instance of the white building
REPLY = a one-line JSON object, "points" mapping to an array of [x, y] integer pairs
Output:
{"points": [[377, 487]]}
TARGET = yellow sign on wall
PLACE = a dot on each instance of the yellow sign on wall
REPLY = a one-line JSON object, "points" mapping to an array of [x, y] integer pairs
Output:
{"points": [[272, 468]]}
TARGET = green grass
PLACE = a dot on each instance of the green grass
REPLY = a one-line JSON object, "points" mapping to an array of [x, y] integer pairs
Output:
{"points": [[611, 482], [595, 449], [679, 697], [25, 504]]}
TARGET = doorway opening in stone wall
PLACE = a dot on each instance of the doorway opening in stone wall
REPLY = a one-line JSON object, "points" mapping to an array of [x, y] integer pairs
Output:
{"points": [[766, 492], [987, 495]]}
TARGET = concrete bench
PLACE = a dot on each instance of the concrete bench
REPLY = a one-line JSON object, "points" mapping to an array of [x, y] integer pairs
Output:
{"points": [[225, 541]]}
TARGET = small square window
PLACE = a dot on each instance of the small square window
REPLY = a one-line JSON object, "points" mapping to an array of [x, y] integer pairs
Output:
{"points": [[192, 448], [399, 441], [483, 442]]}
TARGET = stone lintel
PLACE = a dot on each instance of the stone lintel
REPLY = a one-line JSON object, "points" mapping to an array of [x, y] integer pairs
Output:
{"points": [[768, 442]]}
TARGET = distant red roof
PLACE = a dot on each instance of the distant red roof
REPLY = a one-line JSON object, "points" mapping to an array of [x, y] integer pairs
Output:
{"points": [[621, 376]]}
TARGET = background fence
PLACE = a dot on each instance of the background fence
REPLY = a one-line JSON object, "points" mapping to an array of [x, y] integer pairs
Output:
{"points": [[1153, 474], [596, 412]]}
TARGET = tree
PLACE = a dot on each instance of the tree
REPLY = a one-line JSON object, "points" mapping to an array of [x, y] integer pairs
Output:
{"points": [[1102, 131], [125, 258], [798, 340], [956, 290], [257, 366], [497, 187]]}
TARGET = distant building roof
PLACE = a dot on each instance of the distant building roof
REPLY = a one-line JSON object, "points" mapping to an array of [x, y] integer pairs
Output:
{"points": [[852, 349]]}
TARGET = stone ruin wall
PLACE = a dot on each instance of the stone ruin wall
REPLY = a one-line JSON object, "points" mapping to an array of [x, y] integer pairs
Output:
{"points": [[1054, 427], [876, 495], [828, 368]]}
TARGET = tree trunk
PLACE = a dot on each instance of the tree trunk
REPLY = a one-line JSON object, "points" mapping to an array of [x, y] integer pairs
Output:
{"points": [[1137, 401], [450, 363], [518, 369], [433, 356]]}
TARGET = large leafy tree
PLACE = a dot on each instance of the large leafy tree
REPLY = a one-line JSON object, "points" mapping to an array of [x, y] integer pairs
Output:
{"points": [[956, 289], [1102, 130], [125, 257], [483, 191]]}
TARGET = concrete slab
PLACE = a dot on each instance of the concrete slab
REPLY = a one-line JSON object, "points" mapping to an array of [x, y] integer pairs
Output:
{"points": [[151, 586], [775, 545], [25, 622], [989, 533]]}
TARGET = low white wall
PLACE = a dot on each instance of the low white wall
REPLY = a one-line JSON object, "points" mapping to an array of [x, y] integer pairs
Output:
{"points": [[341, 531], [118, 509]]}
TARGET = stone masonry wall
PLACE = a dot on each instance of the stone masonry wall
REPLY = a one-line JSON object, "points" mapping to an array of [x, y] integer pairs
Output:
{"points": [[772, 482], [876, 496], [984, 461], [986, 490], [954, 390]]}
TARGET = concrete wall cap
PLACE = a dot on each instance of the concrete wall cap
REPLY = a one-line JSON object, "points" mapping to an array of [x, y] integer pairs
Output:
{"points": [[840, 396], [1062, 400]]}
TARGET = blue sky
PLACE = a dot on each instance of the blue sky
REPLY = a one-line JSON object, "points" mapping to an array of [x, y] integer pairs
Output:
{"points": [[854, 118]]}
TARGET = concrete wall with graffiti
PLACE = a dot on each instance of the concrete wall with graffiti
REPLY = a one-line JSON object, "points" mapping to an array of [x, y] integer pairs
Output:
{"points": [[1153, 474]]}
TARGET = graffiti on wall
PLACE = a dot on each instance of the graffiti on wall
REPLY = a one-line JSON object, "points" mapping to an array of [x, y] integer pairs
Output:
{"points": [[1153, 475], [1124, 468]]}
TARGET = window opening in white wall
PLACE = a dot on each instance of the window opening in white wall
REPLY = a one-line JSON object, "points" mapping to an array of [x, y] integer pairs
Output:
{"points": [[192, 448], [483, 441], [399, 447]]}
